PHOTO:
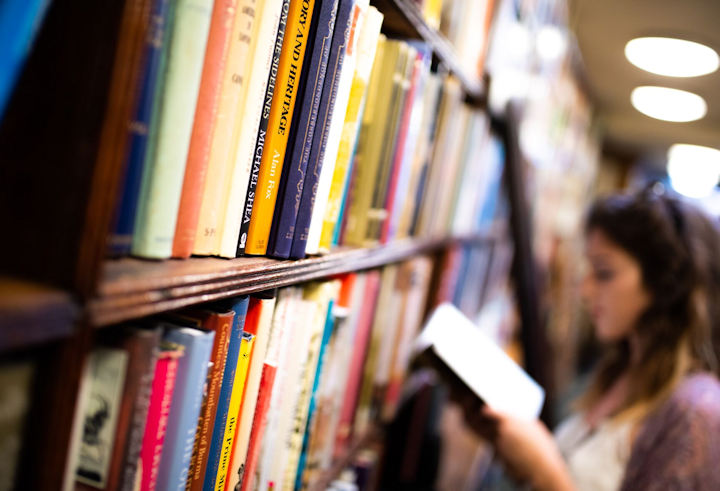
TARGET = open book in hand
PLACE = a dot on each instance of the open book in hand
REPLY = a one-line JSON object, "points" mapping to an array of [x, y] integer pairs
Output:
{"points": [[481, 365]]}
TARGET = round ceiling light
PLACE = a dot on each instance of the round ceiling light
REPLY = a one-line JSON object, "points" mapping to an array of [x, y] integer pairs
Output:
{"points": [[694, 170], [668, 104], [672, 57]]}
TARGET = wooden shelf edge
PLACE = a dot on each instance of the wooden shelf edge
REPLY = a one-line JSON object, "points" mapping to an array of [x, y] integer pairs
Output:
{"points": [[134, 288], [441, 46], [32, 314], [373, 434]]}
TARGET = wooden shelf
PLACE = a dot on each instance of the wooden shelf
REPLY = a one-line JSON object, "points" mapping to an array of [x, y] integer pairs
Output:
{"points": [[132, 288], [371, 436], [32, 314], [403, 18]]}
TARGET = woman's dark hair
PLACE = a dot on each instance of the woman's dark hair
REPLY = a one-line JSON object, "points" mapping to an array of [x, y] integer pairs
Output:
{"points": [[678, 250]]}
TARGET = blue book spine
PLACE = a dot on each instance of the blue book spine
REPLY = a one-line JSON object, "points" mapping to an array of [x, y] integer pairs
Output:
{"points": [[327, 104], [19, 22], [262, 130], [286, 211], [185, 407], [139, 128], [327, 334], [240, 307]]}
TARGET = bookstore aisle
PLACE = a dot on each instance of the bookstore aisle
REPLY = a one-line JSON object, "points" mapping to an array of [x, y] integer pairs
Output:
{"points": [[227, 221]]}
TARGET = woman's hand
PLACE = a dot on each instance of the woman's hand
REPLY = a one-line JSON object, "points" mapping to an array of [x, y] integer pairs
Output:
{"points": [[526, 448]]}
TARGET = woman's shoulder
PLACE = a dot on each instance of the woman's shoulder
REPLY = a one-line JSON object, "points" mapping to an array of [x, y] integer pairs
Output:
{"points": [[677, 445]]}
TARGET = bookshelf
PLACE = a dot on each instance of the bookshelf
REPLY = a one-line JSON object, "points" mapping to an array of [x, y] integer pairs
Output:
{"points": [[74, 194], [403, 18], [133, 288]]}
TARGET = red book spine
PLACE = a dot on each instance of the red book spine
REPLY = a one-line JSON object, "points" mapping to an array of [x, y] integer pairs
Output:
{"points": [[205, 111], [259, 424], [360, 343], [399, 154], [162, 391]]}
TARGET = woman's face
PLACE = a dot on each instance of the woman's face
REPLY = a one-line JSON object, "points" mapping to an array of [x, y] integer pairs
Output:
{"points": [[612, 289]]}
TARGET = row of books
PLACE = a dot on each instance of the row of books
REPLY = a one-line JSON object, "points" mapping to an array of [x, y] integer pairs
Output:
{"points": [[262, 392], [284, 127]]}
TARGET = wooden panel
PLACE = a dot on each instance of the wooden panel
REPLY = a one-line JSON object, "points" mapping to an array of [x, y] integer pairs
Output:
{"points": [[133, 288], [31, 314]]}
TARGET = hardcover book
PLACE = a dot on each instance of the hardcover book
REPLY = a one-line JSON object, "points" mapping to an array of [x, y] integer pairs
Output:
{"points": [[224, 176], [107, 373], [163, 386], [300, 143], [139, 134], [226, 326], [207, 113], [341, 35], [165, 165], [251, 132], [208, 460], [328, 154], [187, 398], [273, 157], [367, 49], [260, 314]]}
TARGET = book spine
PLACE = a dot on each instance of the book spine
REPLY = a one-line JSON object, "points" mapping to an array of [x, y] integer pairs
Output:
{"points": [[360, 345], [224, 177], [129, 472], [341, 34], [163, 386], [162, 179], [225, 327], [263, 113], [407, 139], [328, 154], [388, 169], [374, 130], [286, 209], [108, 369], [367, 47], [185, 408], [216, 430], [206, 113], [279, 339], [289, 72], [302, 458], [156, 41], [241, 374], [263, 310]]}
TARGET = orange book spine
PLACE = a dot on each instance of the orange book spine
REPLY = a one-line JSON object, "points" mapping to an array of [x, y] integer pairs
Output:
{"points": [[206, 109], [286, 89]]}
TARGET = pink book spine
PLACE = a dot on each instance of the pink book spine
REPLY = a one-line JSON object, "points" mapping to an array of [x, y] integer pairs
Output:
{"points": [[362, 338], [206, 109], [267, 381], [162, 390]]}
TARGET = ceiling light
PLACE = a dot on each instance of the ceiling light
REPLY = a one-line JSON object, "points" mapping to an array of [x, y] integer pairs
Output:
{"points": [[694, 170], [672, 57], [668, 104], [551, 43]]}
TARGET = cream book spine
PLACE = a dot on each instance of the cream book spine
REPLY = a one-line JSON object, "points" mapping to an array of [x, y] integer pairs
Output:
{"points": [[244, 35], [246, 133]]}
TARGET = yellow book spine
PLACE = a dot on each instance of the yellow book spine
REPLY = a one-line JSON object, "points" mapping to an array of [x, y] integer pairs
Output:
{"points": [[241, 373], [294, 45], [367, 52]]}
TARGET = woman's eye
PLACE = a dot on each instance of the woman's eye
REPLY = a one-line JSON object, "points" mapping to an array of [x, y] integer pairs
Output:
{"points": [[604, 275]]}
